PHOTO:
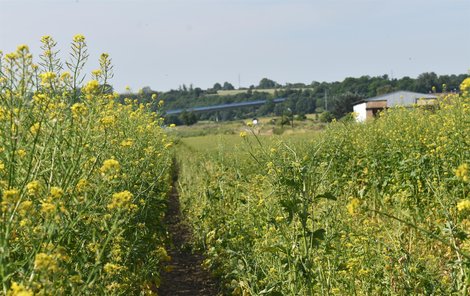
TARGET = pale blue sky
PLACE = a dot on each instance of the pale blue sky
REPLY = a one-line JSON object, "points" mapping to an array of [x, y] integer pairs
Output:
{"points": [[167, 43]]}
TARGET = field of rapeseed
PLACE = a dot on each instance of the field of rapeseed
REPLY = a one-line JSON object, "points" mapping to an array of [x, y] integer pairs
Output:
{"points": [[83, 180], [381, 208]]}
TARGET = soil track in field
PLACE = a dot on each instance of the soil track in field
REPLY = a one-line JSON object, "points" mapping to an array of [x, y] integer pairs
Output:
{"points": [[186, 275]]}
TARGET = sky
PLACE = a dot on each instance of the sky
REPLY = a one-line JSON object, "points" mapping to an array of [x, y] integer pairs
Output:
{"points": [[163, 44]]}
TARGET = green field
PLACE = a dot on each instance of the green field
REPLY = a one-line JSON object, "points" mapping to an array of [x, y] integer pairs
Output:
{"points": [[241, 91], [266, 126]]}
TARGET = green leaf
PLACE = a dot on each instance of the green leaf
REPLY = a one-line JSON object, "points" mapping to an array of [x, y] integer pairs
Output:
{"points": [[327, 195], [319, 234]]}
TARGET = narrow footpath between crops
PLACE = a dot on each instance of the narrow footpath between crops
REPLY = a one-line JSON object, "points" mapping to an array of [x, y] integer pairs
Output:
{"points": [[186, 275]]}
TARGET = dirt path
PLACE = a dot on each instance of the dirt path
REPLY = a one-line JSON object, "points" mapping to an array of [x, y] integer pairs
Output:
{"points": [[187, 276]]}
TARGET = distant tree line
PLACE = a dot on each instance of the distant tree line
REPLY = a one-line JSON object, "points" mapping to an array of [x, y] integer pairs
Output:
{"points": [[336, 98]]}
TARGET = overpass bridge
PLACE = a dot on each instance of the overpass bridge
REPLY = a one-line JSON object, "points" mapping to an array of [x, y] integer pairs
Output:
{"points": [[223, 106]]}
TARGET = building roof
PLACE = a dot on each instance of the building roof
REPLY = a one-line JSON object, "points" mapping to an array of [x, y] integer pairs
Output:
{"points": [[401, 97]]}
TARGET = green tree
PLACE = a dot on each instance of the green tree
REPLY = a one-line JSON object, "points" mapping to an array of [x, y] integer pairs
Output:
{"points": [[267, 83], [217, 86], [228, 86], [425, 82], [188, 118], [343, 104]]}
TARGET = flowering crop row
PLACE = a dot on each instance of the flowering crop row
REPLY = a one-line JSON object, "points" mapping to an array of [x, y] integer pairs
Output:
{"points": [[83, 180], [380, 208]]}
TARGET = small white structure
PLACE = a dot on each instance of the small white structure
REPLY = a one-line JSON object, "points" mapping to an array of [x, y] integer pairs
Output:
{"points": [[360, 112], [369, 108]]}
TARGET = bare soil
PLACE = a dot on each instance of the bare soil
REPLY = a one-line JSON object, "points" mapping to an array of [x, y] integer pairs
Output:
{"points": [[186, 275]]}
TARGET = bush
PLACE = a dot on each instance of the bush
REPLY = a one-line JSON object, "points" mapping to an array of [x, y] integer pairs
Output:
{"points": [[326, 117]]}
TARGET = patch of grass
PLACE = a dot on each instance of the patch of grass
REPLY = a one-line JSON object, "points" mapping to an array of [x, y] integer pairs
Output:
{"points": [[242, 91], [267, 126]]}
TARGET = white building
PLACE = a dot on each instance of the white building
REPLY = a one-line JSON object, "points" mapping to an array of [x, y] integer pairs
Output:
{"points": [[368, 108]]}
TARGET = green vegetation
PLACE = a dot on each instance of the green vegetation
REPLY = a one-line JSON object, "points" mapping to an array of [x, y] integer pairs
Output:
{"points": [[83, 180], [381, 208], [334, 97], [279, 208]]}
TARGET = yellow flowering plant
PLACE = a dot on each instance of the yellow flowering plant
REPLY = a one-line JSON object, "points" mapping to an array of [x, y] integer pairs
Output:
{"points": [[400, 223], [80, 210]]}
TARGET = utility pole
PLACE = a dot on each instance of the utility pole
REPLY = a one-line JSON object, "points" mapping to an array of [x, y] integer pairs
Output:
{"points": [[326, 100]]}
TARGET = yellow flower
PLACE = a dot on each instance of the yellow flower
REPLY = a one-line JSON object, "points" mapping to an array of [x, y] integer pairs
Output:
{"points": [[65, 75], [47, 77], [96, 72], [127, 143], [335, 290], [77, 279], [121, 200], [11, 195], [108, 121], [110, 166], [462, 172], [172, 125], [279, 219], [47, 208], [19, 290], [40, 99], [79, 38], [242, 134], [465, 87], [353, 206], [363, 272], [34, 128], [78, 110], [46, 39], [154, 96], [24, 207], [33, 187], [11, 56], [81, 185], [162, 255], [91, 87], [21, 153], [22, 47], [113, 287], [24, 222], [56, 192], [2, 166], [45, 262], [111, 268], [463, 205]]}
